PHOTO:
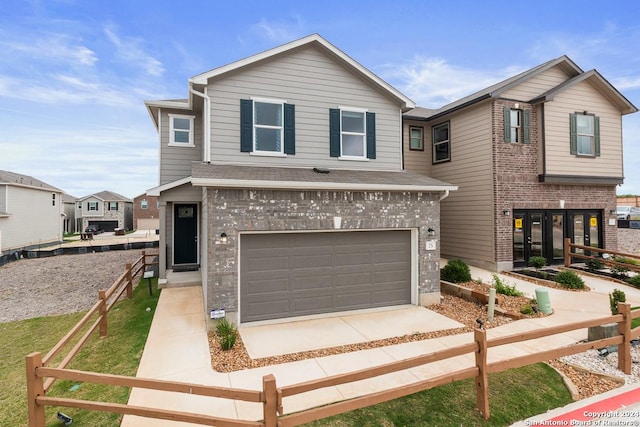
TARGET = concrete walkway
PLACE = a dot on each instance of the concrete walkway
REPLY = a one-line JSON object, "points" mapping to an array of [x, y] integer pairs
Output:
{"points": [[177, 348]]}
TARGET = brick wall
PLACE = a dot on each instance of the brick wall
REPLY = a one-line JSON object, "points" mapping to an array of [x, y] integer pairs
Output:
{"points": [[516, 184], [231, 211]]}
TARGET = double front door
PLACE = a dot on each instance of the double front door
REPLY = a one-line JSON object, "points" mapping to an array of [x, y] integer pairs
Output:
{"points": [[542, 233]]}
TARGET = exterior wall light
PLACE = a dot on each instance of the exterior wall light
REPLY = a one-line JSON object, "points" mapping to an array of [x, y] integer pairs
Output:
{"points": [[506, 212], [223, 238], [431, 232]]}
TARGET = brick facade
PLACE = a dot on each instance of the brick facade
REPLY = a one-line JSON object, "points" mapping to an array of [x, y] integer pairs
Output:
{"points": [[232, 211], [151, 212], [517, 167]]}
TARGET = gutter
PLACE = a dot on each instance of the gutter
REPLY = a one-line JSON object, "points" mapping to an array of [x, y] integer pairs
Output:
{"points": [[444, 195], [206, 119]]}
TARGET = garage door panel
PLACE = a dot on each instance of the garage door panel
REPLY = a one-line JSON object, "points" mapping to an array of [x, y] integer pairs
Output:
{"points": [[325, 272]]}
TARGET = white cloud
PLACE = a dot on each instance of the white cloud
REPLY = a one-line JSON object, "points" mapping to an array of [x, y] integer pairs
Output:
{"points": [[627, 83], [56, 47], [130, 50], [278, 32]]}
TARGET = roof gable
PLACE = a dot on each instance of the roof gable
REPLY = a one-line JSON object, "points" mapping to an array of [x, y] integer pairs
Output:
{"points": [[12, 178], [107, 196]]}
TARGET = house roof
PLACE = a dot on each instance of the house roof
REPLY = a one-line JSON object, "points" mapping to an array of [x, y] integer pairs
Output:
{"points": [[107, 196], [231, 176], [12, 178], [575, 73]]}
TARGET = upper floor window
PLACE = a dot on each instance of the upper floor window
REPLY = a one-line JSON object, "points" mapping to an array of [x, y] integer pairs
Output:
{"points": [[516, 125], [53, 199], [92, 206], [113, 206], [181, 130], [144, 204], [416, 138], [267, 127], [79, 205], [584, 134], [441, 143], [352, 133]]}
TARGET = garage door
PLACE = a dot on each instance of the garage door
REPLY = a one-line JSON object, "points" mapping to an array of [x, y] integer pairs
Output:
{"points": [[106, 225], [297, 274]]}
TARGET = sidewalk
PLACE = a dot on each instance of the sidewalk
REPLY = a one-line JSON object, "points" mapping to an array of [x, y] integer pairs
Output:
{"points": [[177, 349]]}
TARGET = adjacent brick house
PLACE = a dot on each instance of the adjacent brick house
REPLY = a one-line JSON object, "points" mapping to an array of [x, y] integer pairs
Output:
{"points": [[281, 180], [146, 215], [537, 158]]}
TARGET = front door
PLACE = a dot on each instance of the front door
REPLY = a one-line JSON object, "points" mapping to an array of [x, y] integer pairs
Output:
{"points": [[585, 229], [185, 234], [529, 235]]}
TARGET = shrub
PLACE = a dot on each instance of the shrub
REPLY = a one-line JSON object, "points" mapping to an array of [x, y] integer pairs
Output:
{"points": [[594, 264], [619, 271], [614, 298], [504, 289], [527, 309], [634, 281], [538, 262], [456, 271], [227, 333], [569, 280]]}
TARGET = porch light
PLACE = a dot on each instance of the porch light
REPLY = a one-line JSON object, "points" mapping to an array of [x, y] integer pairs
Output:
{"points": [[431, 232], [223, 238], [506, 212]]}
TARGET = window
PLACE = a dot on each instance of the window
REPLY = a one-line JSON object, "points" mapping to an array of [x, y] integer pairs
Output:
{"points": [[144, 204], [79, 205], [181, 130], [92, 206], [516, 125], [441, 146], [416, 140], [584, 134], [113, 206], [53, 199], [352, 134], [267, 127]]}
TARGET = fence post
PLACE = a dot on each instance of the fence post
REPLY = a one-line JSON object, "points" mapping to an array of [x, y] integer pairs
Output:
{"points": [[35, 388], [270, 404], [567, 252], [624, 329], [129, 281], [482, 380], [144, 261], [102, 296]]}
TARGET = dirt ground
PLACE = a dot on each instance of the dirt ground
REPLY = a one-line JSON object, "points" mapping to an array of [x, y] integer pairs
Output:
{"points": [[58, 285]]}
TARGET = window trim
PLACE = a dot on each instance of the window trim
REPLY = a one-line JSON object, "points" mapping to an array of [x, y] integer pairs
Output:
{"points": [[172, 141], [573, 135], [144, 204], [364, 112], [109, 206], [421, 138], [433, 142], [92, 203], [254, 126]]}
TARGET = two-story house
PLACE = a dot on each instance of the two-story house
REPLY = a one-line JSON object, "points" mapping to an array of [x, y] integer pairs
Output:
{"points": [[281, 180], [31, 213], [106, 209], [146, 215], [537, 158]]}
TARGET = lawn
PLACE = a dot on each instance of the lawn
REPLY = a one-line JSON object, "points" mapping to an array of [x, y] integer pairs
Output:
{"points": [[513, 395], [118, 353]]}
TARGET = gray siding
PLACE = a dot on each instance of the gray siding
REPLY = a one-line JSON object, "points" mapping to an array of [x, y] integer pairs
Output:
{"points": [[536, 85], [314, 83], [175, 162], [415, 160]]}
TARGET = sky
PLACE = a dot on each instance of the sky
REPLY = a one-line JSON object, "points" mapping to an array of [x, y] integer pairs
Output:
{"points": [[74, 74]]}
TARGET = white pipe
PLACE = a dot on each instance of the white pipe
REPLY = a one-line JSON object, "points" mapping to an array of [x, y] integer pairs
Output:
{"points": [[444, 195], [206, 119]]}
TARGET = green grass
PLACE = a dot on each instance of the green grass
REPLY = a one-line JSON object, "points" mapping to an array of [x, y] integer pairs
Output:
{"points": [[118, 353], [513, 395]]}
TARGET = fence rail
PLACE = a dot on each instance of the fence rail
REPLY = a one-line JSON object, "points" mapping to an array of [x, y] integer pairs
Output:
{"points": [[569, 255], [271, 396]]}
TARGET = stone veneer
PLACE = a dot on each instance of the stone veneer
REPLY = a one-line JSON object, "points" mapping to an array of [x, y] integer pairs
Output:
{"points": [[516, 185], [232, 211]]}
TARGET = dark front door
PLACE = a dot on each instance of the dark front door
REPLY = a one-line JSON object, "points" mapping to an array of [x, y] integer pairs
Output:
{"points": [[585, 229], [185, 234], [529, 235]]}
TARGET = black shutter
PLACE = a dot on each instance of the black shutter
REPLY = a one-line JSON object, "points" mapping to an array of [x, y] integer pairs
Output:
{"points": [[246, 125], [506, 111], [573, 134], [334, 132], [596, 135], [289, 129], [526, 119], [371, 135]]}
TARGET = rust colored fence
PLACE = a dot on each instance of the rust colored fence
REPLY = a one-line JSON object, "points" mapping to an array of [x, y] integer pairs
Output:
{"points": [[580, 252]]}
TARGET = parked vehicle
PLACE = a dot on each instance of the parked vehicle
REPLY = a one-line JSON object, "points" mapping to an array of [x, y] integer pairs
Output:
{"points": [[626, 212], [93, 228]]}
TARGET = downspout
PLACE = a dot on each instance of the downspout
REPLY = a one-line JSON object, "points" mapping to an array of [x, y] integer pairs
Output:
{"points": [[444, 195], [206, 118]]}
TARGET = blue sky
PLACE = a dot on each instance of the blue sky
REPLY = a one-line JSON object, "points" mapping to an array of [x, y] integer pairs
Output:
{"points": [[74, 74]]}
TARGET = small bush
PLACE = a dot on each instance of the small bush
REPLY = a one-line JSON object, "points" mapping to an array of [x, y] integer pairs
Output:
{"points": [[537, 262], [614, 298], [227, 333], [456, 271], [569, 280], [527, 309], [619, 271], [505, 289], [594, 264], [634, 281]]}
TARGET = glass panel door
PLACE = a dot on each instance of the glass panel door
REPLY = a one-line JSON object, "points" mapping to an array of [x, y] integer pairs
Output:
{"points": [[518, 237], [594, 230], [537, 233], [557, 231], [578, 231]]}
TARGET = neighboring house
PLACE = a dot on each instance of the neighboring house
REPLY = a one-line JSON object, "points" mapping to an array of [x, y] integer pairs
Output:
{"points": [[146, 215], [69, 224], [537, 158], [106, 209], [31, 212], [281, 179]]}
